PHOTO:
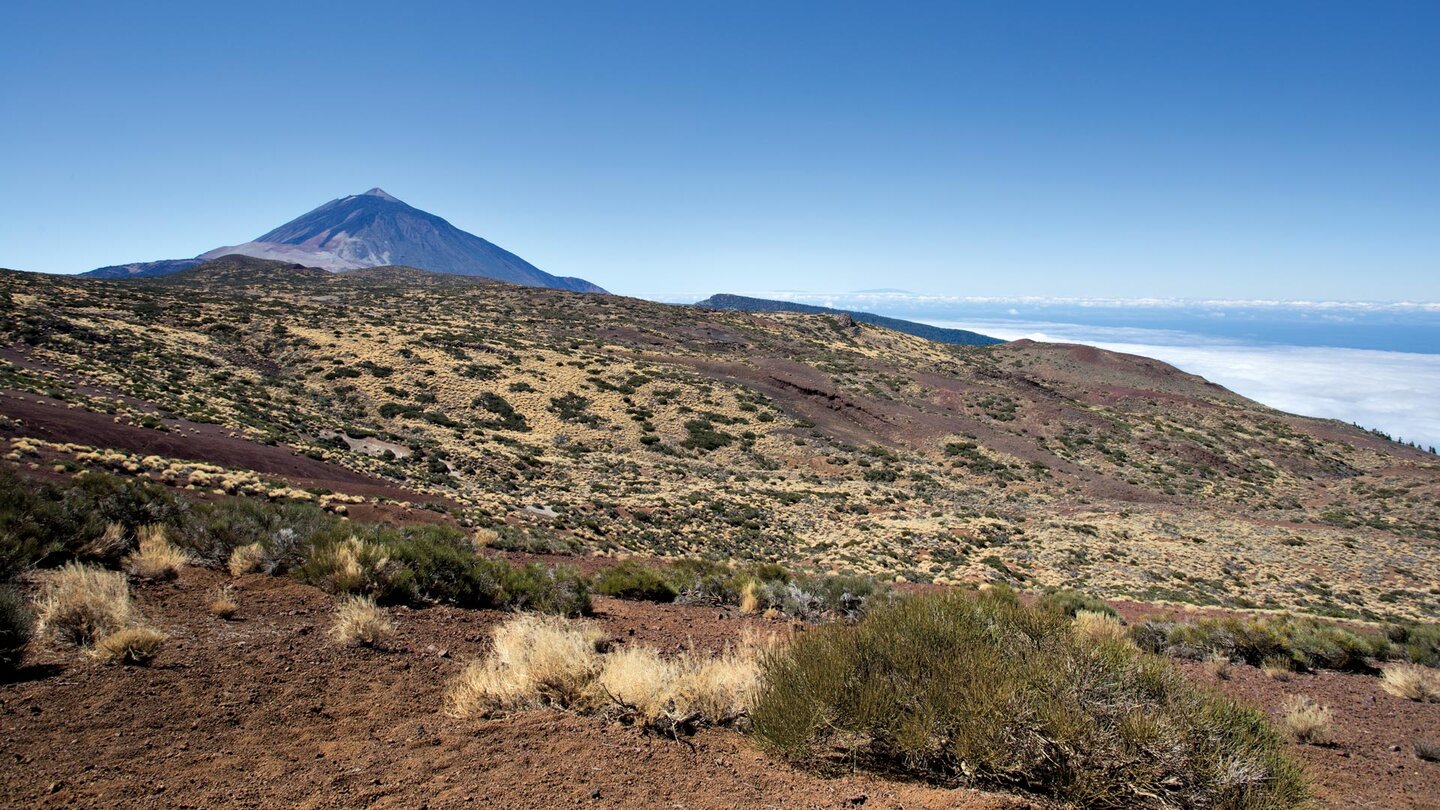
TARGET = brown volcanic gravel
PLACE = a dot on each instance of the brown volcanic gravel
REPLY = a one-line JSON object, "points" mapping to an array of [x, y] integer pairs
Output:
{"points": [[265, 711]]}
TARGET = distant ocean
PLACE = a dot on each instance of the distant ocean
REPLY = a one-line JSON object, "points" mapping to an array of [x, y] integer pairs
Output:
{"points": [[1373, 364]]}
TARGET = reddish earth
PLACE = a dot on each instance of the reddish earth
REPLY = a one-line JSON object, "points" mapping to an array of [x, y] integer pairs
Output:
{"points": [[53, 420], [266, 711]]}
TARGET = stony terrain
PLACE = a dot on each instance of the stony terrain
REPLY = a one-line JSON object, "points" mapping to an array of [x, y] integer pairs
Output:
{"points": [[598, 424]]}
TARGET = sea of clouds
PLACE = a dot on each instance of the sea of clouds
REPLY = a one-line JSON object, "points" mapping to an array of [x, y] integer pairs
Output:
{"points": [[1397, 392]]}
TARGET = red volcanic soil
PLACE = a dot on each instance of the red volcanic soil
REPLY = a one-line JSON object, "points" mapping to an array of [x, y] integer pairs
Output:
{"points": [[53, 420], [267, 711]]}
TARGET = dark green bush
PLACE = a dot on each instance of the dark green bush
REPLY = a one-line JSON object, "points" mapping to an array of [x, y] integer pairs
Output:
{"points": [[211, 531], [561, 590], [445, 569], [1070, 602], [16, 626], [981, 690], [1418, 643], [633, 579], [1303, 642], [46, 524]]}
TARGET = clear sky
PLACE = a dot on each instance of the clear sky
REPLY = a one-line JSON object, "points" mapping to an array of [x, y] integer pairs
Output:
{"points": [[1195, 149]]}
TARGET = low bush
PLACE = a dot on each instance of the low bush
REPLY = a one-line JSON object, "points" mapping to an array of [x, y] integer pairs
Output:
{"points": [[79, 604], [136, 646], [17, 624], [561, 590], [1071, 602], [359, 621], [982, 690], [1416, 643], [45, 524], [1305, 643], [212, 532], [443, 568], [355, 566], [633, 579]]}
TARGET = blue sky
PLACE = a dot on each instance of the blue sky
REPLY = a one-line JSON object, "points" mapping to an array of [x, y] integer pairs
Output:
{"points": [[1252, 150]]}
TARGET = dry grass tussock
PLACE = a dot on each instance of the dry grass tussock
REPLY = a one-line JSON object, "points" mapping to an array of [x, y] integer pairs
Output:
{"points": [[130, 645], [1095, 626], [246, 559], [222, 602], [1412, 682], [545, 661], [1277, 668], [79, 604], [156, 558], [109, 546], [1307, 721], [359, 621]]}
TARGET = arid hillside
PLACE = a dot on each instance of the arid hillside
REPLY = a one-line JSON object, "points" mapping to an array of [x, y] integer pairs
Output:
{"points": [[578, 423]]}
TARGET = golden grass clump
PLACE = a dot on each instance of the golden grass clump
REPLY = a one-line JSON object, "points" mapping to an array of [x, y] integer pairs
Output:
{"points": [[1307, 721], [359, 621], [246, 559], [1093, 625], [534, 661], [749, 599], [223, 604], [547, 661], [156, 558], [1412, 682], [81, 603], [130, 645]]}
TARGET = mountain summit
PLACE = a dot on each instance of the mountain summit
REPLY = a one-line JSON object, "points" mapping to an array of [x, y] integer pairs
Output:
{"points": [[371, 230]]}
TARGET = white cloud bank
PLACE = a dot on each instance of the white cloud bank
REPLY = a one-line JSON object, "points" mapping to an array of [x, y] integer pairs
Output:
{"points": [[1397, 392]]}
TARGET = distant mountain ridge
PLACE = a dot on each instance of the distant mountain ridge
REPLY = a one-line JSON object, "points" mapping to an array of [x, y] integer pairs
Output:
{"points": [[959, 337], [373, 229]]}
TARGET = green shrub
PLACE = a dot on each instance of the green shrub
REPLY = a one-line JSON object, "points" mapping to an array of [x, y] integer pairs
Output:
{"points": [[356, 565], [46, 524], [1071, 602], [1416, 643], [636, 580], [561, 590], [983, 691], [17, 624], [445, 569], [212, 531], [1304, 643]]}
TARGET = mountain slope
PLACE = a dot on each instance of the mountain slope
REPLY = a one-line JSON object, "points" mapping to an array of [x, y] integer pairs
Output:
{"points": [[369, 230], [613, 425], [958, 337]]}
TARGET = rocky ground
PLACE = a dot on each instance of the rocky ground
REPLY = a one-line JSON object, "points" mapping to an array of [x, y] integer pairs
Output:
{"points": [[265, 711]]}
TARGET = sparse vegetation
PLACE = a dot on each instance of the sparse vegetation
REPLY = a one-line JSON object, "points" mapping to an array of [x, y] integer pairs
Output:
{"points": [[547, 661], [156, 558], [136, 646], [1412, 682], [983, 690], [79, 604], [1307, 721], [359, 621], [223, 604], [17, 624]]}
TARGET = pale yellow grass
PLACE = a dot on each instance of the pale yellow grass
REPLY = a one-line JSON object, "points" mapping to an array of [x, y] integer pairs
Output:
{"points": [[156, 558], [80, 603], [358, 620], [1412, 682], [109, 546], [246, 559], [545, 661], [1093, 625], [130, 645], [534, 661], [1306, 720]]}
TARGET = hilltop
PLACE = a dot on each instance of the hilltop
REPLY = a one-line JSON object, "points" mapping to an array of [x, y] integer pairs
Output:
{"points": [[959, 337]]}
